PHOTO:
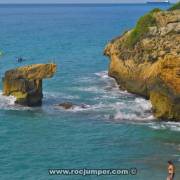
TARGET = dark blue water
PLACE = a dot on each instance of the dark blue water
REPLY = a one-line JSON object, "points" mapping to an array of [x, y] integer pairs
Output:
{"points": [[117, 130]]}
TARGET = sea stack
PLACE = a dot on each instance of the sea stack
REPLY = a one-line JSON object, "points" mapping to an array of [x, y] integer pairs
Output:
{"points": [[146, 61], [25, 83]]}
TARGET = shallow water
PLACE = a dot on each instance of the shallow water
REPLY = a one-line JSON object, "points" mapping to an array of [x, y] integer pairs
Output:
{"points": [[116, 130]]}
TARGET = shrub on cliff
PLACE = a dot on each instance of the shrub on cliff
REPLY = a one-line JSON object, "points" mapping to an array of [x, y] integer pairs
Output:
{"points": [[142, 28], [175, 7]]}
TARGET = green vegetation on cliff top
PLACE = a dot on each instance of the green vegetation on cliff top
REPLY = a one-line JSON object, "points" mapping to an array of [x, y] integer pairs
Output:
{"points": [[175, 7], [143, 24], [142, 28]]}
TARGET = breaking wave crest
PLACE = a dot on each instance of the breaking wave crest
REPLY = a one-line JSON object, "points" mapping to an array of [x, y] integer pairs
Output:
{"points": [[103, 74], [7, 102], [138, 109], [109, 102], [173, 126], [58, 95], [126, 106]]}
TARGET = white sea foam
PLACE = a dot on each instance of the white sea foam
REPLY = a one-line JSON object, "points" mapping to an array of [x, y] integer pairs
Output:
{"points": [[93, 89], [58, 95], [128, 108], [119, 107], [7, 102], [86, 79], [86, 107], [108, 91], [139, 109], [173, 126], [111, 88], [102, 74], [133, 117], [7, 99], [94, 107], [143, 104]]}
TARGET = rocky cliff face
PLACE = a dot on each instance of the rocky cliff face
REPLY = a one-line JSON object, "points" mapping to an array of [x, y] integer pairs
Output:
{"points": [[25, 83], [149, 64]]}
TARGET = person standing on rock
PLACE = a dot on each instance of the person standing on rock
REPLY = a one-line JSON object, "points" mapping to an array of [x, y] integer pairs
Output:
{"points": [[171, 171]]}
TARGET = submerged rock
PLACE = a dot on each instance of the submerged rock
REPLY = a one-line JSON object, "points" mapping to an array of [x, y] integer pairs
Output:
{"points": [[148, 63], [66, 105], [69, 105], [25, 83]]}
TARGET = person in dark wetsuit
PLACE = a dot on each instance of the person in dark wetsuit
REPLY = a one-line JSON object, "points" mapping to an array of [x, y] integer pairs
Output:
{"points": [[171, 171], [20, 59]]}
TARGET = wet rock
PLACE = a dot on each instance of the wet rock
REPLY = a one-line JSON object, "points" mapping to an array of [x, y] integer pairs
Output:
{"points": [[25, 83], [69, 105], [66, 105]]}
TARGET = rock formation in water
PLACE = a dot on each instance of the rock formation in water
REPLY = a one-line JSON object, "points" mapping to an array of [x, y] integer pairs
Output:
{"points": [[66, 105], [25, 83], [146, 61], [69, 105]]}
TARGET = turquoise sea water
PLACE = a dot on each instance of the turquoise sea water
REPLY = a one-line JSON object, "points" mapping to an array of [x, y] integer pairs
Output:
{"points": [[117, 130]]}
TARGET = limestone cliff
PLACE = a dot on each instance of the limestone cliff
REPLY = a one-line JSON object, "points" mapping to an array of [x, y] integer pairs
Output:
{"points": [[25, 83], [146, 61]]}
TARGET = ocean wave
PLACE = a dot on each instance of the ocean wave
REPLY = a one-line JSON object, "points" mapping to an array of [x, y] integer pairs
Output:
{"points": [[105, 91], [113, 96], [121, 109], [86, 107], [99, 107], [103, 74], [103, 87], [93, 89], [86, 79], [110, 85], [50, 98], [143, 104], [59, 95], [6, 100], [133, 117], [137, 109], [173, 126], [8, 103]]}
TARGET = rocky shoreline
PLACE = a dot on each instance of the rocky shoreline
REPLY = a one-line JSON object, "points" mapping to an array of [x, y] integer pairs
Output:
{"points": [[146, 61]]}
